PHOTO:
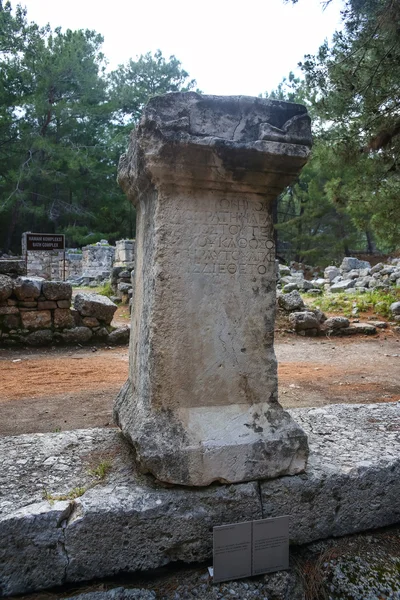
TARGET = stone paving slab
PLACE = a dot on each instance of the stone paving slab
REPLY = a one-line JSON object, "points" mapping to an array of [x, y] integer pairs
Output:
{"points": [[352, 481], [129, 522]]}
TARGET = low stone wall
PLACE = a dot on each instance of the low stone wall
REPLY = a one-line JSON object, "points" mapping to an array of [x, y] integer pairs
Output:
{"points": [[36, 312], [58, 524]]}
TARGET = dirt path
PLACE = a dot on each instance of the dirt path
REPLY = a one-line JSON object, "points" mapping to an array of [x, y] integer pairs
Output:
{"points": [[62, 389], [317, 371], [52, 390]]}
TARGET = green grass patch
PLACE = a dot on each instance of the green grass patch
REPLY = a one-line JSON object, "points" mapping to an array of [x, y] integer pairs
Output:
{"points": [[101, 470], [377, 301], [105, 290], [74, 493]]}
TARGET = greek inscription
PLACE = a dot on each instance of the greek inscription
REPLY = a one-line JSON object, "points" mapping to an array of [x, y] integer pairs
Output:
{"points": [[223, 236]]}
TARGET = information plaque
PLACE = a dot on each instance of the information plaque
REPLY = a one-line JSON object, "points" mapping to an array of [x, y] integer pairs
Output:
{"points": [[250, 548], [45, 241]]}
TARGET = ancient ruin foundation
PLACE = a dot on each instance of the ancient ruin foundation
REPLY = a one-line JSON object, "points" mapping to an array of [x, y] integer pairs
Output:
{"points": [[201, 403]]}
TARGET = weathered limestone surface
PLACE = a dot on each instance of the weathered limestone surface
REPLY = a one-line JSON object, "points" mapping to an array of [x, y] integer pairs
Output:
{"points": [[95, 305], [201, 401], [6, 287], [57, 290], [28, 287], [13, 267], [352, 481], [130, 522], [97, 259], [124, 252], [39, 319]]}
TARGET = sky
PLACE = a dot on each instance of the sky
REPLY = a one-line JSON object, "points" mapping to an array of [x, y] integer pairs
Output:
{"points": [[228, 46]]}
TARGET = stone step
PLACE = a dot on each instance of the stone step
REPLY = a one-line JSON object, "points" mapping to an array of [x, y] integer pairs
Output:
{"points": [[61, 522]]}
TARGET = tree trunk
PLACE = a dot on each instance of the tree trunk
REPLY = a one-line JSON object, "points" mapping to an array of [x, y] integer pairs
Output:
{"points": [[12, 225], [370, 243]]}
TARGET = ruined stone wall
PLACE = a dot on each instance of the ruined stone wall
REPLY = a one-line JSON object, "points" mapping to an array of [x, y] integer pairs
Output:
{"points": [[44, 264], [124, 252], [94, 261], [97, 260], [36, 312], [73, 264]]}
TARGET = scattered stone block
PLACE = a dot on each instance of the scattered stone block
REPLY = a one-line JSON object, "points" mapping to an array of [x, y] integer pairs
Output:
{"points": [[349, 263], [44, 337], [124, 287], [36, 319], [12, 267], [377, 268], [95, 305], [291, 302], [57, 290], [331, 273], [283, 270], [119, 336], [359, 328], [76, 335], [363, 282], [353, 274], [395, 276], [395, 308], [27, 288], [342, 286], [304, 320], [379, 324], [289, 287], [101, 333], [318, 283], [335, 323]]}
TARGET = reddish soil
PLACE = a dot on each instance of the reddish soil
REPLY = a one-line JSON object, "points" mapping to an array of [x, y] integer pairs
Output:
{"points": [[64, 388]]}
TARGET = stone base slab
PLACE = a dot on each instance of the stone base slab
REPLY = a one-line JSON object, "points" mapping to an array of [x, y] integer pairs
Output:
{"points": [[225, 444], [129, 522]]}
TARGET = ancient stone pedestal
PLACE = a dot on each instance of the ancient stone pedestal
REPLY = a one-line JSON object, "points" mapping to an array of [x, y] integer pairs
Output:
{"points": [[201, 403]]}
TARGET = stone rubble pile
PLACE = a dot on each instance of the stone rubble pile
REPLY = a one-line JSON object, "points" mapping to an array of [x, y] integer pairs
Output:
{"points": [[352, 276], [36, 312]]}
